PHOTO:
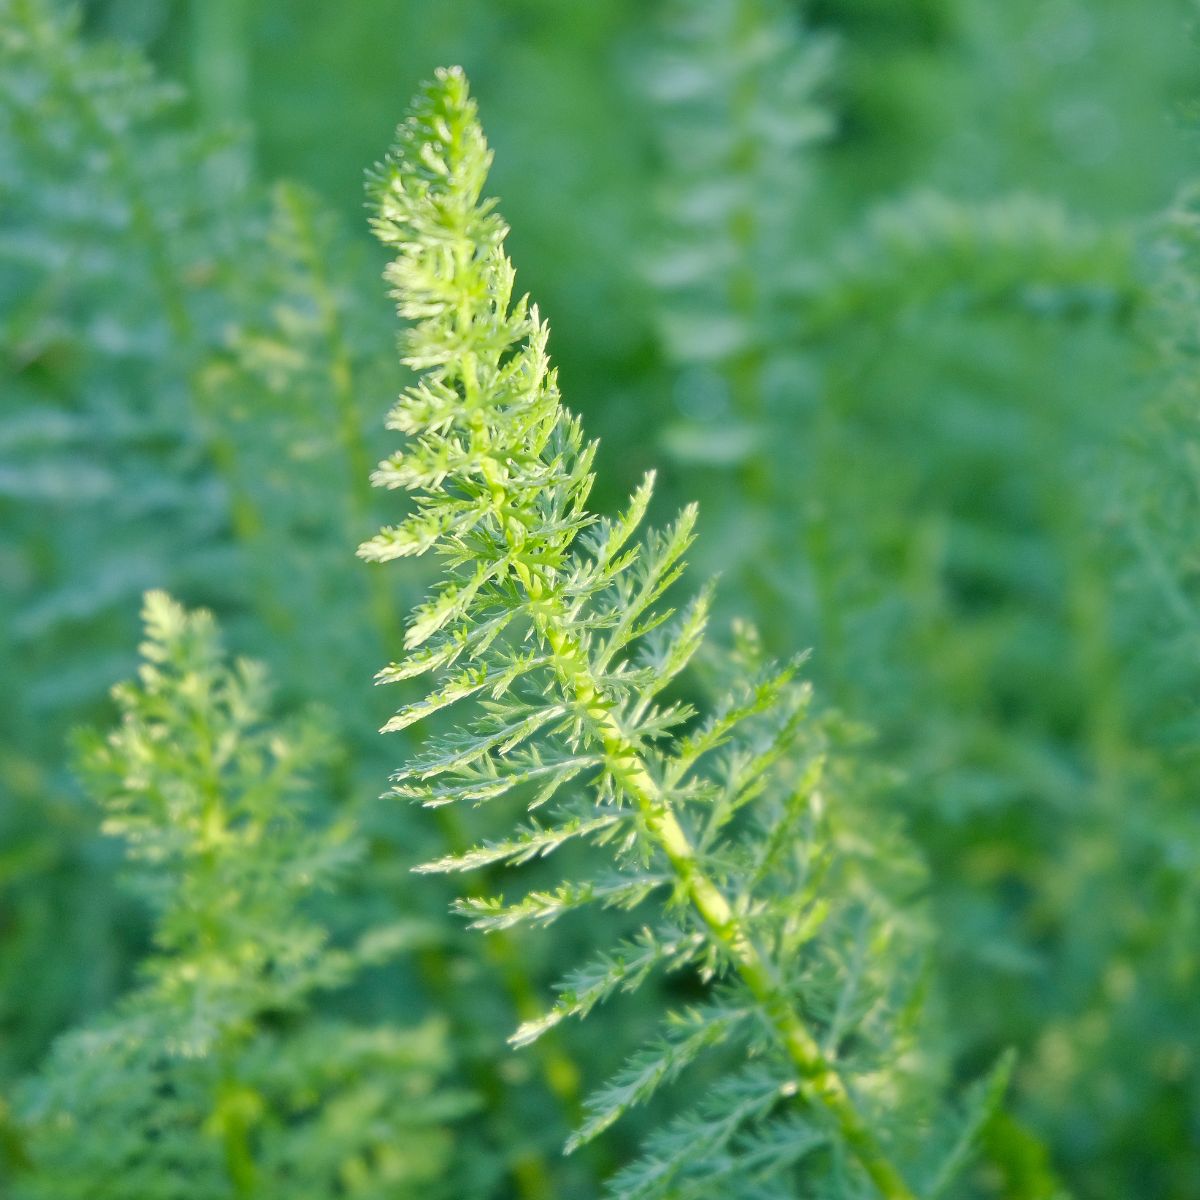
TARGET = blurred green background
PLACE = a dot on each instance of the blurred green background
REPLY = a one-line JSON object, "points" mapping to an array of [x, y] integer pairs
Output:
{"points": [[903, 293]]}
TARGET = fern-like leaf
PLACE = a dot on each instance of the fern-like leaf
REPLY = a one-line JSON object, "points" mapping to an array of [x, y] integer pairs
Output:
{"points": [[725, 819]]}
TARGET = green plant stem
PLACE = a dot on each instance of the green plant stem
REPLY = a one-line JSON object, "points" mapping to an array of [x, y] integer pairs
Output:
{"points": [[234, 1128], [559, 1073], [13, 1152], [744, 368], [239, 1157], [818, 1081]]}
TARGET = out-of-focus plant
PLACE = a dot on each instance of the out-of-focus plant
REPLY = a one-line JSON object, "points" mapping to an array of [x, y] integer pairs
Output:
{"points": [[1121, 1058], [187, 361], [928, 512], [217, 1076], [105, 244]]}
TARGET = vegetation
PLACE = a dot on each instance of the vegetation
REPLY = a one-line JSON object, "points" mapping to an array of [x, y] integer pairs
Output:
{"points": [[215, 1078], [550, 619], [905, 298]]}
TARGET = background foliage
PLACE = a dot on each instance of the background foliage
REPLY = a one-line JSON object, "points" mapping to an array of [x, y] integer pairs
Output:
{"points": [[906, 295]]}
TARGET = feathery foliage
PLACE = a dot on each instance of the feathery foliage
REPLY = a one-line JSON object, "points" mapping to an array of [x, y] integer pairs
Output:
{"points": [[154, 315], [217, 1077], [732, 828], [762, 325], [1136, 930], [738, 90], [142, 295], [110, 255], [101, 481], [924, 501], [916, 333], [246, 340]]}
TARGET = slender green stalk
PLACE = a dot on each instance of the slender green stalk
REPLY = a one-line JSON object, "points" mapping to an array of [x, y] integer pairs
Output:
{"points": [[819, 1082]]}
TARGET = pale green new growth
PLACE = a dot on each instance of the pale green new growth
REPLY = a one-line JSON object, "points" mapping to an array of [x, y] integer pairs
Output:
{"points": [[206, 796], [739, 825], [215, 1079]]}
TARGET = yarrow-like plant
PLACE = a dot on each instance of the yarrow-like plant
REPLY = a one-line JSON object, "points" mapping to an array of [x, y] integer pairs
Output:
{"points": [[730, 830], [215, 1078]]}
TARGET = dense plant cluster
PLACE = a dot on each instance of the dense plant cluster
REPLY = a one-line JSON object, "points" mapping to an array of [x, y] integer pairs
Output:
{"points": [[906, 296]]}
